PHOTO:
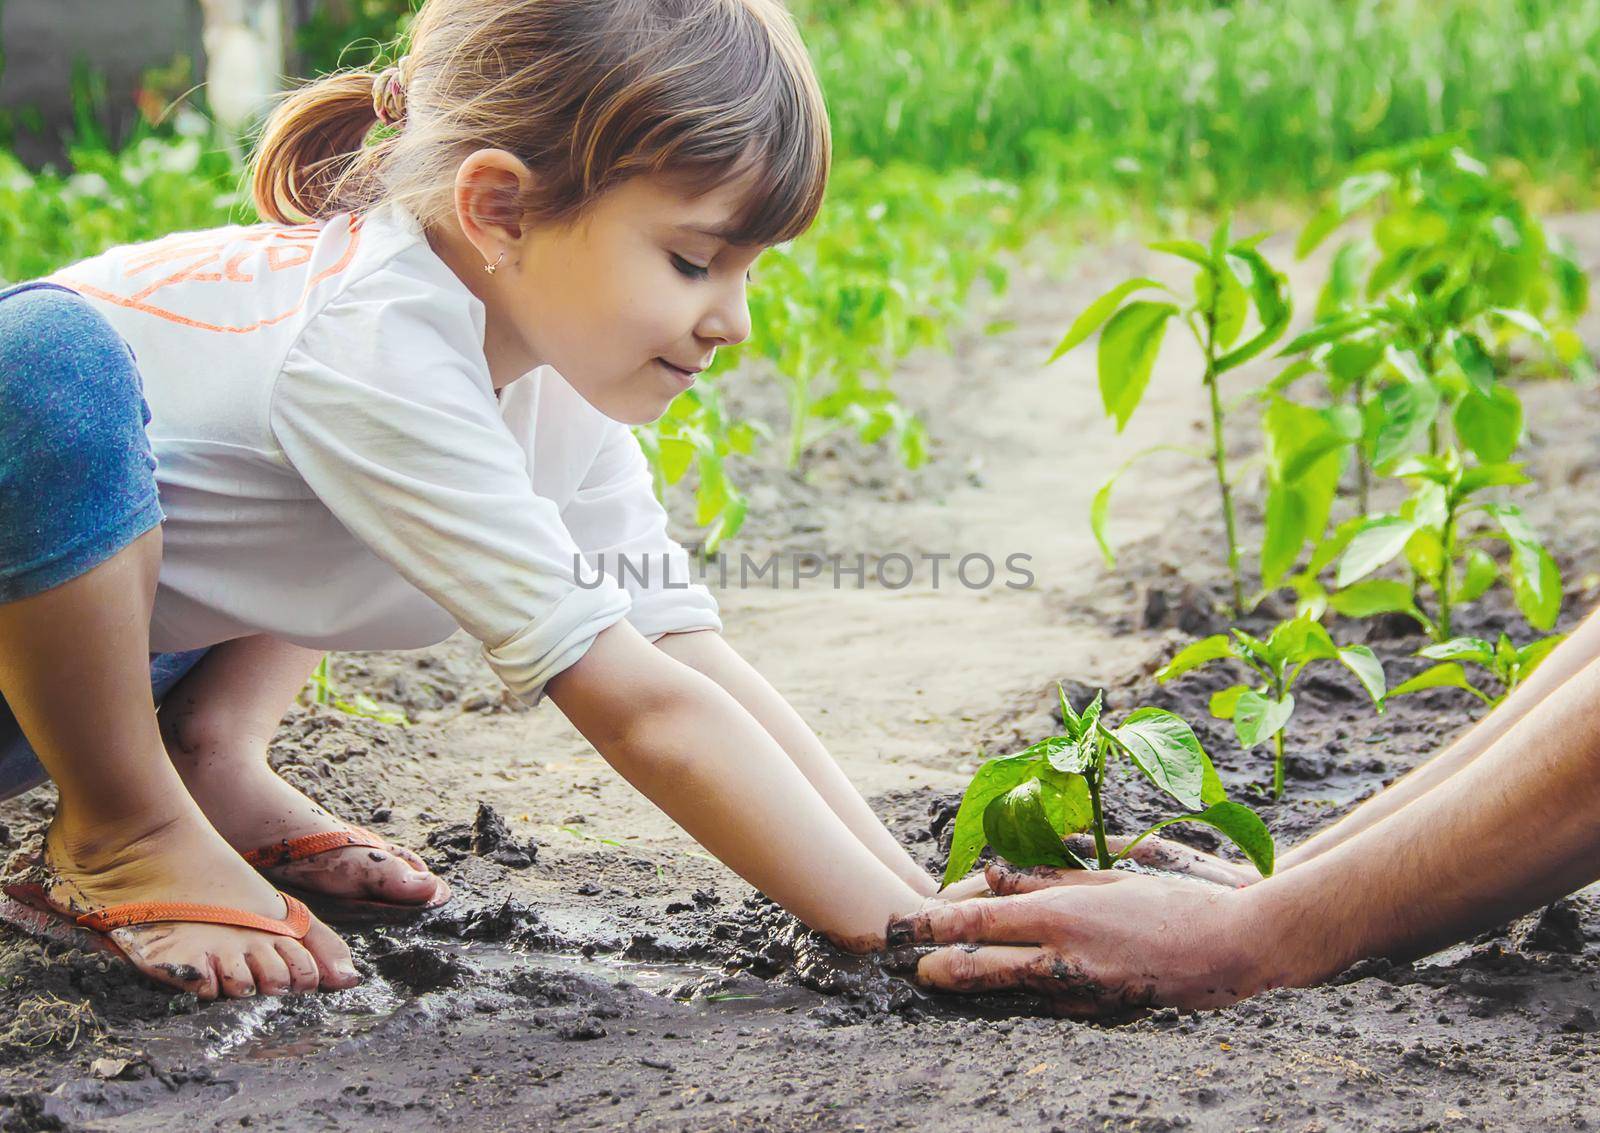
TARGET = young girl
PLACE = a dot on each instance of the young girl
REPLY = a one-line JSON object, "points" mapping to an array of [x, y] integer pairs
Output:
{"points": [[400, 408]]}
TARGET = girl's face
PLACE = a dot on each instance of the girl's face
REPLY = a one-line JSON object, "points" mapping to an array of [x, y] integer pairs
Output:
{"points": [[617, 302]]}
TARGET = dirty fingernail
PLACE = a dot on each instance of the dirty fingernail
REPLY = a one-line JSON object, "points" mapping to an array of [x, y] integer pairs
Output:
{"points": [[901, 961], [899, 933]]}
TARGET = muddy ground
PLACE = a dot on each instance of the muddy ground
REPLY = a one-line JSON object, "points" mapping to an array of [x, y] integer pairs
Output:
{"points": [[597, 970]]}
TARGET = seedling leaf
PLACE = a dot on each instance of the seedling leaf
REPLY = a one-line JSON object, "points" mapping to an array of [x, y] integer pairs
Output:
{"points": [[1226, 702], [1447, 675], [1128, 350], [1164, 747], [1375, 544], [1098, 312], [992, 780], [1368, 670], [1490, 426], [1018, 827], [1257, 717], [1194, 655], [1242, 826]]}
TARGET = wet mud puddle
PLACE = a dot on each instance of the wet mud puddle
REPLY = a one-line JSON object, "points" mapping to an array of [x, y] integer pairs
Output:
{"points": [[453, 981]]}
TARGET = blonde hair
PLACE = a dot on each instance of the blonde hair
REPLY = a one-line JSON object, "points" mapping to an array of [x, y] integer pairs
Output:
{"points": [[587, 93]]}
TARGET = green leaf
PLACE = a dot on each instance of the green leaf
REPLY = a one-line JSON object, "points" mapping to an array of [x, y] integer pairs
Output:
{"points": [[1226, 701], [1523, 322], [1098, 312], [1374, 596], [1100, 506], [1195, 654], [1164, 747], [1257, 718], [1480, 574], [1490, 426], [1368, 670], [993, 779], [1475, 362], [1447, 675], [1099, 512], [1481, 476], [1066, 800], [1018, 828], [1376, 543], [1536, 586], [1242, 826], [1128, 350], [1268, 293], [1300, 639], [1283, 533], [1190, 250], [1460, 649], [1329, 330], [1532, 655]]}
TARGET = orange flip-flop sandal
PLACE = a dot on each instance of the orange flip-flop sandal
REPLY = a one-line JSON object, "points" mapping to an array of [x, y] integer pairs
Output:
{"points": [[336, 909], [30, 909]]}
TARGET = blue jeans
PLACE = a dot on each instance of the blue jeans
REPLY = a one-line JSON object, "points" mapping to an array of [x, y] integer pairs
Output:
{"points": [[77, 474]]}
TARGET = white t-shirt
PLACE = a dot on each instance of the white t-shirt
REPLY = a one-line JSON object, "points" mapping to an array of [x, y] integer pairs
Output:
{"points": [[337, 472]]}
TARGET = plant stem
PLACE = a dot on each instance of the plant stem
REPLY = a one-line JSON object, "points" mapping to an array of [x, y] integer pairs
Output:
{"points": [[797, 420], [1277, 743], [1363, 473], [1102, 854], [1219, 460], [1445, 571]]}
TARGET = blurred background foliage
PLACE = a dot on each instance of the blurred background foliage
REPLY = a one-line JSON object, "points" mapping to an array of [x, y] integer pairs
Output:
{"points": [[962, 131]]}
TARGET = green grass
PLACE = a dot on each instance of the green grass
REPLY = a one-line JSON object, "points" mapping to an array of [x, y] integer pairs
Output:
{"points": [[1185, 101]]}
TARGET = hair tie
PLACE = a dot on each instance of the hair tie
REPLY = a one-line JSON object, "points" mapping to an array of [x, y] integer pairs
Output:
{"points": [[389, 94]]}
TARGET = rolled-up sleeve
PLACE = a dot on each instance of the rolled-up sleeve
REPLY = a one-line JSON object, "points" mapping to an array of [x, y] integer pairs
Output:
{"points": [[385, 407], [621, 529]]}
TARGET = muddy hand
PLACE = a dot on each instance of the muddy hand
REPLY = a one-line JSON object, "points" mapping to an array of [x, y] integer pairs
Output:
{"points": [[1160, 853], [1092, 944]]}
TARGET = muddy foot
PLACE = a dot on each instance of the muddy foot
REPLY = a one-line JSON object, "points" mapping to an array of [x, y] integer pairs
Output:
{"points": [[252, 808], [184, 860]]}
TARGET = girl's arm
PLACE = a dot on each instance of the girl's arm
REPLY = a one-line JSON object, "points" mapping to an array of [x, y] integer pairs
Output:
{"points": [[708, 652], [693, 750]]}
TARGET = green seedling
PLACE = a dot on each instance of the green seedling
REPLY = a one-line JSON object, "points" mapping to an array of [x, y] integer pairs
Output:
{"points": [[1449, 235], [1441, 533], [1507, 664], [1262, 712], [1024, 805], [323, 692], [1232, 281]]}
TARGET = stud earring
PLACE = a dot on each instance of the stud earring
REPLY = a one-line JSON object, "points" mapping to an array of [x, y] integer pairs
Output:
{"points": [[494, 267]]}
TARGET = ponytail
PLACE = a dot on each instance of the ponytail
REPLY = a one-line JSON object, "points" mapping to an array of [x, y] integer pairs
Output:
{"points": [[312, 147]]}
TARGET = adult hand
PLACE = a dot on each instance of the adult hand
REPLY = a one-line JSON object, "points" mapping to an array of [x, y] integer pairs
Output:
{"points": [[1094, 943], [1159, 853]]}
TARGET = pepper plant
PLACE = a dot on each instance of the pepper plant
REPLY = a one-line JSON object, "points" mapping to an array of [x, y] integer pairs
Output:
{"points": [[1442, 534], [1507, 664], [1262, 711], [1024, 805], [1233, 279]]}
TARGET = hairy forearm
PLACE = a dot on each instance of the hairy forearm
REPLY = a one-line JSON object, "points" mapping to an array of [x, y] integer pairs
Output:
{"points": [[694, 751], [1513, 829], [1579, 650], [709, 653]]}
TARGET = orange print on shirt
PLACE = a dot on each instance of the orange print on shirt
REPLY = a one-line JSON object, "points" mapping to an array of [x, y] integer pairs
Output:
{"points": [[188, 258]]}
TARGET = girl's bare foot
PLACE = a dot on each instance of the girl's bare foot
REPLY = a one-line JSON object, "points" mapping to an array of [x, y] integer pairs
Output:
{"points": [[227, 774], [184, 859]]}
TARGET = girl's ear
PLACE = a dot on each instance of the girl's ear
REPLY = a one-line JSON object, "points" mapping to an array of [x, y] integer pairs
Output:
{"points": [[491, 185]]}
